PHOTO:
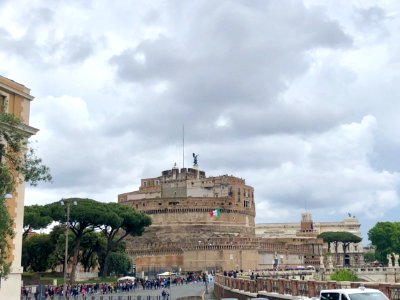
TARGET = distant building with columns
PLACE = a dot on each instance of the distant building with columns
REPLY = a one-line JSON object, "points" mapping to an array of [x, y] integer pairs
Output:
{"points": [[307, 227], [15, 99]]}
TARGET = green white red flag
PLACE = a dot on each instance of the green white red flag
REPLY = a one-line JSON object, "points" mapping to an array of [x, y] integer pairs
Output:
{"points": [[215, 213]]}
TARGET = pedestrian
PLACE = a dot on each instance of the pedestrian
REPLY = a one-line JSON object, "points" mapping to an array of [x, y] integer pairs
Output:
{"points": [[164, 294]]}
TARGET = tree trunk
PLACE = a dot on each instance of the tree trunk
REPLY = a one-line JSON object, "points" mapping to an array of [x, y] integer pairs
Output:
{"points": [[75, 260], [336, 252], [105, 265]]}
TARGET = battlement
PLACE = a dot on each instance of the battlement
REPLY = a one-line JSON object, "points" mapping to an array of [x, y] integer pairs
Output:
{"points": [[191, 182], [182, 174]]}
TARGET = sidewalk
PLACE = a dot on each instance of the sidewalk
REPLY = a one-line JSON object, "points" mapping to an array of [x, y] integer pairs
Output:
{"points": [[210, 294]]}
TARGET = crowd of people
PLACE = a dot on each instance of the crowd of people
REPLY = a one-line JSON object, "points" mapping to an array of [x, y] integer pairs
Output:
{"points": [[49, 291], [83, 289]]}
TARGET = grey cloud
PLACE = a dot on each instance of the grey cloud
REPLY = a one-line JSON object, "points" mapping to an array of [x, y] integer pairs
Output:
{"points": [[233, 57], [70, 50], [371, 16], [77, 49], [23, 47], [163, 60]]}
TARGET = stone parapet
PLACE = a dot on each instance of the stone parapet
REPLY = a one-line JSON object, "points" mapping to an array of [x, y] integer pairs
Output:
{"points": [[280, 288]]}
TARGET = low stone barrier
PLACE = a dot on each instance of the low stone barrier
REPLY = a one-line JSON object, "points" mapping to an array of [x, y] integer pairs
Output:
{"points": [[280, 288]]}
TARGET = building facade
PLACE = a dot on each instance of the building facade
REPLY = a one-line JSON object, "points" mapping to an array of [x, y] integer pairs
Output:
{"points": [[15, 99], [206, 223], [307, 227]]}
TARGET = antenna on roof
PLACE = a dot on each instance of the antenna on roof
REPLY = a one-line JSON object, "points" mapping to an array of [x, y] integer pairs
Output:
{"points": [[183, 145]]}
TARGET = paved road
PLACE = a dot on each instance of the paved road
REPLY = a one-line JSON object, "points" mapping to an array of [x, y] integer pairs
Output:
{"points": [[175, 292]]}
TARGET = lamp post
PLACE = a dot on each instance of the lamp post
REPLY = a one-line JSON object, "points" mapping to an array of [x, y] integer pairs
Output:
{"points": [[198, 257], [205, 258], [68, 204]]}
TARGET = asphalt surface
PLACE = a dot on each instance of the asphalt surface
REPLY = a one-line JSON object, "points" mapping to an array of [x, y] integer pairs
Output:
{"points": [[175, 292]]}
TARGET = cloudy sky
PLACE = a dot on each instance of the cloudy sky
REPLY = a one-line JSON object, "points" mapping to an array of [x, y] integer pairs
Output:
{"points": [[298, 98]]}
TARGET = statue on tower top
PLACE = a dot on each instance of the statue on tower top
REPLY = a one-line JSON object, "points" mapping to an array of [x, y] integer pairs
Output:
{"points": [[195, 158]]}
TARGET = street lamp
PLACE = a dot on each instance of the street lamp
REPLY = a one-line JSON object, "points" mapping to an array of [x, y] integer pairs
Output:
{"points": [[68, 204]]}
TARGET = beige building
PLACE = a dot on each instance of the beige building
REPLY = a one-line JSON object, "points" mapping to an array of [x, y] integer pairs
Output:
{"points": [[184, 236], [15, 99], [354, 255]]}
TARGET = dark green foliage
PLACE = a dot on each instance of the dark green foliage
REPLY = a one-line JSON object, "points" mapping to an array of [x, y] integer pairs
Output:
{"points": [[119, 262], [96, 231], [5, 232], [6, 180], [35, 218], [344, 275], [57, 237], [84, 217], [53, 242], [339, 237], [122, 221], [385, 236], [113, 220], [37, 249], [92, 244], [369, 257]]}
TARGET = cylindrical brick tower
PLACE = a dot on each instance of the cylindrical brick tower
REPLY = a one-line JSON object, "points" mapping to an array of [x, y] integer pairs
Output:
{"points": [[192, 213]]}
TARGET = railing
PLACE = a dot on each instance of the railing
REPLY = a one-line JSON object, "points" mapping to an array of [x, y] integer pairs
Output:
{"points": [[294, 287]]}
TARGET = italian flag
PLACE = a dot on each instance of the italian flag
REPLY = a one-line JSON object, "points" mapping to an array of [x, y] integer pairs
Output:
{"points": [[215, 213]]}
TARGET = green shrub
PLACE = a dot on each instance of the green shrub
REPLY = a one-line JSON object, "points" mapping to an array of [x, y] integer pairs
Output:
{"points": [[344, 275]]}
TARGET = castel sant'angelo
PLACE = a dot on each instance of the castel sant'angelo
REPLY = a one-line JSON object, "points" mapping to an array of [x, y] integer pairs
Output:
{"points": [[207, 223]]}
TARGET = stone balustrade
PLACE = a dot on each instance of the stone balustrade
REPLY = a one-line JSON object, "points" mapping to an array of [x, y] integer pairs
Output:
{"points": [[280, 288]]}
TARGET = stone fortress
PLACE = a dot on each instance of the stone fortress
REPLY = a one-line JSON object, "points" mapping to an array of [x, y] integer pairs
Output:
{"points": [[184, 236]]}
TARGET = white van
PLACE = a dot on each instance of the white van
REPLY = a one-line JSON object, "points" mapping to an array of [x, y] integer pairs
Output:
{"points": [[361, 293]]}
